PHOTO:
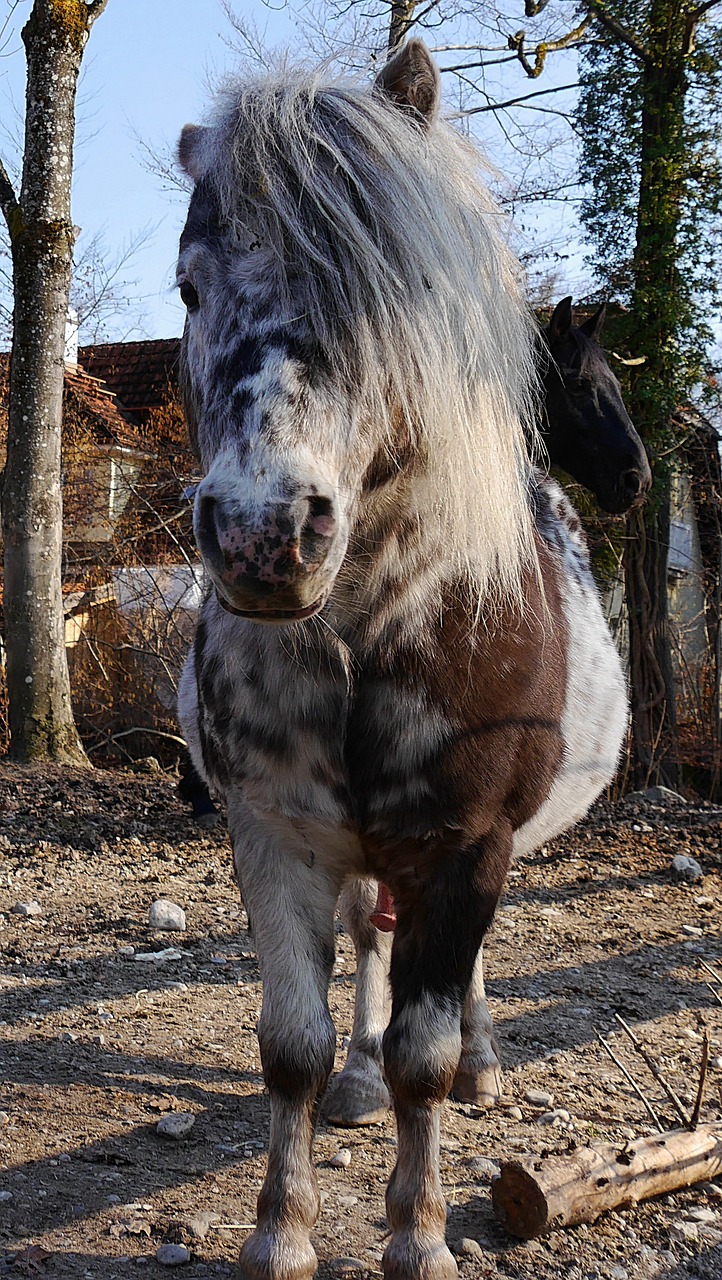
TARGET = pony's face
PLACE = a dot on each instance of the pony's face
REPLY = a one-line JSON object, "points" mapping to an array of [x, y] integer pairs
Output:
{"points": [[271, 425], [356, 355], [284, 441], [589, 432]]}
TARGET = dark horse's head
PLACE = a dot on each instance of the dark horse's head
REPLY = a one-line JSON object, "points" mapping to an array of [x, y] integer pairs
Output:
{"points": [[586, 427]]}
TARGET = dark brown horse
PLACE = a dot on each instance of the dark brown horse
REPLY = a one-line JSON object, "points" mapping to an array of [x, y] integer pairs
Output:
{"points": [[585, 426], [401, 670]]}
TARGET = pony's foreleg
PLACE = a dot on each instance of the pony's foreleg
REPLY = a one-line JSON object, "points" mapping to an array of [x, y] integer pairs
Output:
{"points": [[359, 1095], [292, 907], [478, 1076], [437, 939]]}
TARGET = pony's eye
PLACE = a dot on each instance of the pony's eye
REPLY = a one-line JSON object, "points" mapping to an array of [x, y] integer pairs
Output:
{"points": [[189, 297]]}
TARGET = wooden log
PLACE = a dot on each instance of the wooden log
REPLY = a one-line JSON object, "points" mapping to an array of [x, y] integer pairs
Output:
{"points": [[539, 1193]]}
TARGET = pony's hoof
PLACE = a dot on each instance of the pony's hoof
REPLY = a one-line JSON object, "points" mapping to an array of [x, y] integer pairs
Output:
{"points": [[273, 1257], [482, 1087], [432, 1262], [357, 1098]]}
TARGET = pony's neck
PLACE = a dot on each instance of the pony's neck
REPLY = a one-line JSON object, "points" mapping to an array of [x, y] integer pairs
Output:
{"points": [[396, 563]]}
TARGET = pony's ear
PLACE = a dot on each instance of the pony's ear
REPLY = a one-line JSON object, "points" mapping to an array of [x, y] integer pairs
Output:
{"points": [[411, 79], [190, 150], [561, 320], [594, 325]]}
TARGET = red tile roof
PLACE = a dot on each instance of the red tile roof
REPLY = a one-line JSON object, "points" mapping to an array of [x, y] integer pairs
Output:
{"points": [[111, 423], [139, 373]]}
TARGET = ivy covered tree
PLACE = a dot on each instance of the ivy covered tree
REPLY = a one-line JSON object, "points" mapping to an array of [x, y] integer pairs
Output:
{"points": [[650, 120], [41, 237]]}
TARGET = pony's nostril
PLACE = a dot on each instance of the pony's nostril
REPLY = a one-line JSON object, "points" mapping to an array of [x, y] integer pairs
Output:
{"points": [[318, 528], [206, 530], [632, 483], [320, 516]]}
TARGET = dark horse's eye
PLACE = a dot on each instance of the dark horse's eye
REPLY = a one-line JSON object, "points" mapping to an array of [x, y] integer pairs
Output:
{"points": [[189, 297]]}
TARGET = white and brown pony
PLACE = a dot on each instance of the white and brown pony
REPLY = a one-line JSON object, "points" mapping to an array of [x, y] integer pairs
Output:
{"points": [[401, 669]]}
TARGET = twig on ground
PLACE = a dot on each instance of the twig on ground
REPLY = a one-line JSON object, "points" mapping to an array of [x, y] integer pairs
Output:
{"points": [[702, 1078], [605, 1045], [709, 969], [656, 1072], [155, 733]]}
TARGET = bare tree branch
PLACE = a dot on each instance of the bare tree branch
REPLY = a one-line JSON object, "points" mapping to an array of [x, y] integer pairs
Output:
{"points": [[510, 102], [545, 47], [703, 9], [8, 200], [95, 8], [616, 28]]}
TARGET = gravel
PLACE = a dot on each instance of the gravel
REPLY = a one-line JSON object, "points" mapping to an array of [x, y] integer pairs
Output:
{"points": [[79, 1116]]}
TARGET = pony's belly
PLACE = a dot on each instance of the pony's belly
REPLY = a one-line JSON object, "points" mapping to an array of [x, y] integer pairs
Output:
{"points": [[594, 722]]}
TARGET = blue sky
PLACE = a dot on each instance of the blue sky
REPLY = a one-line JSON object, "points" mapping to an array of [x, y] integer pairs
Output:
{"points": [[148, 69]]}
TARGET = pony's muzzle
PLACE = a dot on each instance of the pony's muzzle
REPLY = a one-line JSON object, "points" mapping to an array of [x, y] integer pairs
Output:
{"points": [[635, 483], [632, 487], [272, 570]]}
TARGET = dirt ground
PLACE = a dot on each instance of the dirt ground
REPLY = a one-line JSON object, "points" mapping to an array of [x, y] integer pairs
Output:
{"points": [[97, 1044]]}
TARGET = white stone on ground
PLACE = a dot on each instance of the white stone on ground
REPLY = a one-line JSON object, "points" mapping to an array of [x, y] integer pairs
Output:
{"points": [[167, 915], [176, 1125], [685, 868], [27, 909], [341, 1160], [470, 1248], [172, 1255], [484, 1168], [560, 1116], [539, 1098]]}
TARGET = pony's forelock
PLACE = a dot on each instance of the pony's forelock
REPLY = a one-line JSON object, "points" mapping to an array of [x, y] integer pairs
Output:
{"points": [[387, 240]]}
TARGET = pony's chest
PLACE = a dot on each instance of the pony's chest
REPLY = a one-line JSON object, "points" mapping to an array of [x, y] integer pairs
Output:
{"points": [[309, 741]]}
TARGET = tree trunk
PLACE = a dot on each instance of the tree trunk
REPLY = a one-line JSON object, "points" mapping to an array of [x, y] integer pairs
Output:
{"points": [[650, 664], [657, 319], [42, 236], [402, 15]]}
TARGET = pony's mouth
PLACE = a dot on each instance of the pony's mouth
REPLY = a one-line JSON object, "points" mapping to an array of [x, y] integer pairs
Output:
{"points": [[277, 616]]}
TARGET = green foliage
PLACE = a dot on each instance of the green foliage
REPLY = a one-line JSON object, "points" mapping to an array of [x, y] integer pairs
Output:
{"points": [[651, 139]]}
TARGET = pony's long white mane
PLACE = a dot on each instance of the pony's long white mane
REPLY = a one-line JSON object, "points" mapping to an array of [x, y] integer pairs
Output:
{"points": [[387, 243]]}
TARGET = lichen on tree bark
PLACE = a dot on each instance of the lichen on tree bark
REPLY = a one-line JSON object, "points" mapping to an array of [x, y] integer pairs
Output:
{"points": [[41, 237]]}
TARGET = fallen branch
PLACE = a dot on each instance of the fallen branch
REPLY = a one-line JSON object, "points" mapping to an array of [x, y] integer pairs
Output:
{"points": [[630, 1078], [656, 1071], [540, 1193], [702, 1080], [709, 969]]}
